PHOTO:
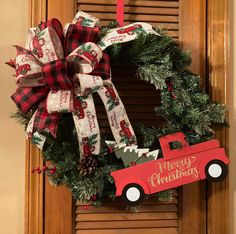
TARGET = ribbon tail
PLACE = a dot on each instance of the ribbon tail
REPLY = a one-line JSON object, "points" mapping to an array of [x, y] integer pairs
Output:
{"points": [[26, 98], [44, 121], [36, 138], [118, 119], [86, 125]]}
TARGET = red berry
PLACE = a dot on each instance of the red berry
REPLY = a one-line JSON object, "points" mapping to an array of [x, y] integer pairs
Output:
{"points": [[32, 171], [170, 88], [174, 96], [94, 198], [45, 168], [110, 150], [85, 207], [39, 171], [53, 170]]}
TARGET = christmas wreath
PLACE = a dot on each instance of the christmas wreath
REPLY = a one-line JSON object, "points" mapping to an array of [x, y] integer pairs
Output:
{"points": [[52, 101]]}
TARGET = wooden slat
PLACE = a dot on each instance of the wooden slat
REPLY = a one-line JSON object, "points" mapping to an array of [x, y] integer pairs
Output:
{"points": [[136, 93], [131, 231], [130, 10], [139, 101], [169, 4], [120, 209], [147, 123], [138, 115], [165, 25], [126, 224], [126, 216], [134, 17], [119, 203]]}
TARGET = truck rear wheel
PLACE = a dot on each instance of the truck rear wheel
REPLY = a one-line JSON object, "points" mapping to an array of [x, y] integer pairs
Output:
{"points": [[133, 194], [216, 171]]}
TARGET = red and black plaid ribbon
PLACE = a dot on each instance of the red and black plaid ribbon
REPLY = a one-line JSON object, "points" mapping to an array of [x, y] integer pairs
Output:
{"points": [[57, 74]]}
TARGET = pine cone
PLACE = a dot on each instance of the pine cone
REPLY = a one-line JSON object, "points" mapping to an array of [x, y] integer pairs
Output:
{"points": [[87, 165]]}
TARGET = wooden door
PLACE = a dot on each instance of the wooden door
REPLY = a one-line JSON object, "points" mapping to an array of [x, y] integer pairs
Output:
{"points": [[193, 210]]}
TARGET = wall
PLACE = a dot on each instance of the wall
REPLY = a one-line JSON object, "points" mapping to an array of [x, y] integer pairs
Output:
{"points": [[13, 25]]}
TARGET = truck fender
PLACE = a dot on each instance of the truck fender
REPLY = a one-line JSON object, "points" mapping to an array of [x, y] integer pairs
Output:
{"points": [[203, 164], [127, 181]]}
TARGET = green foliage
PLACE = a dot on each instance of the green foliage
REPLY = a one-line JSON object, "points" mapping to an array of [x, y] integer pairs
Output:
{"points": [[184, 106], [21, 118], [153, 74]]}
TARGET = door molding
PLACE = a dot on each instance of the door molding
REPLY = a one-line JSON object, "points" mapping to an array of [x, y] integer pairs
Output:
{"points": [[217, 84], [218, 51]]}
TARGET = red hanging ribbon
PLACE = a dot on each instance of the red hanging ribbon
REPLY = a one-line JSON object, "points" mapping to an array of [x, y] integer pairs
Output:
{"points": [[120, 12]]}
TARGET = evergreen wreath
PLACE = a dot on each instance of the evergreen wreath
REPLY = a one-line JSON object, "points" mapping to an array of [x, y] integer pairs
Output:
{"points": [[184, 105]]}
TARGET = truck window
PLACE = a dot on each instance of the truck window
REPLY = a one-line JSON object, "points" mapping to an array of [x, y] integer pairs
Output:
{"points": [[175, 145]]}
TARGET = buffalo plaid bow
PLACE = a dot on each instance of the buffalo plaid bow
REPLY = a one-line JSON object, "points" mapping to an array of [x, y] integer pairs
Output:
{"points": [[39, 71]]}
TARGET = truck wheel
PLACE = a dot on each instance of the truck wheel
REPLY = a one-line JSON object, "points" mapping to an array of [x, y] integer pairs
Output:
{"points": [[133, 194], [216, 171]]}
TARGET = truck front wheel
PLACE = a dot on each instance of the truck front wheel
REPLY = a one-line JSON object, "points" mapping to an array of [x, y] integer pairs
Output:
{"points": [[133, 194], [216, 171]]}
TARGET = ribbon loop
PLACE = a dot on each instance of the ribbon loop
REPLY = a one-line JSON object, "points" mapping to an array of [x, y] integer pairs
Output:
{"points": [[55, 75], [87, 55], [46, 45]]}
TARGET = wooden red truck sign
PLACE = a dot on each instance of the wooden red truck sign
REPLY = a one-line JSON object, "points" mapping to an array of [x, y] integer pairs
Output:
{"points": [[177, 167]]}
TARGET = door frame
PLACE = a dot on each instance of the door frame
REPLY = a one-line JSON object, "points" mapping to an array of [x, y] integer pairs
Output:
{"points": [[217, 83]]}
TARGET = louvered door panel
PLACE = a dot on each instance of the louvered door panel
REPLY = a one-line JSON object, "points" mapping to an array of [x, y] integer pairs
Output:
{"points": [[113, 217], [164, 14], [139, 99]]}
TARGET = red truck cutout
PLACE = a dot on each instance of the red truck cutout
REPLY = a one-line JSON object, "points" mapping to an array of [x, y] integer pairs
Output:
{"points": [[110, 93], [177, 167], [87, 149], [129, 30], [79, 108], [22, 69], [126, 131], [37, 46]]}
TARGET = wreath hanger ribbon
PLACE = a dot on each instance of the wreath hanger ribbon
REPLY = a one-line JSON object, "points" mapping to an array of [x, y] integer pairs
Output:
{"points": [[58, 74]]}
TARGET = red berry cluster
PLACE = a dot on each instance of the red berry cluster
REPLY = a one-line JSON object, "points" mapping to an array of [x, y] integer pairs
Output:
{"points": [[39, 170], [94, 198]]}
